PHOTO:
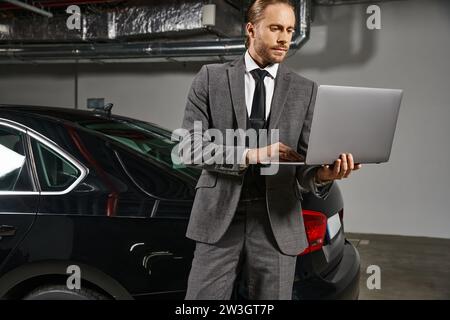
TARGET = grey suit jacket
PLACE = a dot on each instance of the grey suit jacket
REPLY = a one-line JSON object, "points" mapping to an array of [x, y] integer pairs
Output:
{"points": [[217, 99]]}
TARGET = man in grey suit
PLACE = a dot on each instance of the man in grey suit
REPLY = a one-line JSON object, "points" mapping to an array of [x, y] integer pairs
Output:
{"points": [[242, 220]]}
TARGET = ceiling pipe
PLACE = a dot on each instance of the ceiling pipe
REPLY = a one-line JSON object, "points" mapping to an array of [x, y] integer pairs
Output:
{"points": [[220, 48], [29, 7], [57, 3]]}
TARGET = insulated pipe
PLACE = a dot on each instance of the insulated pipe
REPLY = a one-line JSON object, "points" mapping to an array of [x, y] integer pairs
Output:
{"points": [[87, 52], [30, 7]]}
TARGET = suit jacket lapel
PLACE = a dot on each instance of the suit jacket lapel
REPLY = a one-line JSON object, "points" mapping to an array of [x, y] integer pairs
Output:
{"points": [[236, 73], [282, 82]]}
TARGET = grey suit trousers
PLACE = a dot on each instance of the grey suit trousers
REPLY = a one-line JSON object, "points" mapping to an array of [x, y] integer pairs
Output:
{"points": [[247, 246]]}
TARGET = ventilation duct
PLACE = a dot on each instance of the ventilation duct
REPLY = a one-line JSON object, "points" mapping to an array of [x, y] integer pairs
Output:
{"points": [[127, 22], [134, 31]]}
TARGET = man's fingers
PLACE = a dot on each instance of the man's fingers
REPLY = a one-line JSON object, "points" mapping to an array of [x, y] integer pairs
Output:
{"points": [[286, 156], [287, 153], [283, 156], [282, 147], [348, 173], [351, 164], [344, 166], [291, 157], [283, 151], [336, 167], [296, 156]]}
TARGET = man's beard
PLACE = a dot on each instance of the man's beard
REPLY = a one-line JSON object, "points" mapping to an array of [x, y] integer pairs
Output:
{"points": [[264, 51]]}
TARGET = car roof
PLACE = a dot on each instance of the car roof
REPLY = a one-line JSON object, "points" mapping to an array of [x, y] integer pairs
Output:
{"points": [[67, 114], [71, 116]]}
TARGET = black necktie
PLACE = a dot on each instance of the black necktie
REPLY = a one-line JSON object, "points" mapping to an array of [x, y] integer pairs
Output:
{"points": [[257, 121], [258, 114]]}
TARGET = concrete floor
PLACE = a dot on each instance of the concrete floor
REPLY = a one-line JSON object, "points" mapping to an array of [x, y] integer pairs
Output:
{"points": [[410, 267]]}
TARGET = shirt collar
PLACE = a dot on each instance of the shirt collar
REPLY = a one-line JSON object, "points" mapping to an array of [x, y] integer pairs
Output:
{"points": [[250, 65]]}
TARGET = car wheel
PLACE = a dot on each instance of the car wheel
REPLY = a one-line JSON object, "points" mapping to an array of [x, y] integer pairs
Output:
{"points": [[61, 292]]}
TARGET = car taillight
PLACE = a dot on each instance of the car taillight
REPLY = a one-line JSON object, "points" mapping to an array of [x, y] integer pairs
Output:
{"points": [[316, 227]]}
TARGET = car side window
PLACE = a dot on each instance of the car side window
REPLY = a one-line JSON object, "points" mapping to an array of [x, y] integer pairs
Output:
{"points": [[55, 173], [14, 172]]}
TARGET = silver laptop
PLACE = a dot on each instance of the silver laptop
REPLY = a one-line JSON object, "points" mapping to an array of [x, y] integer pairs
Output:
{"points": [[355, 120]]}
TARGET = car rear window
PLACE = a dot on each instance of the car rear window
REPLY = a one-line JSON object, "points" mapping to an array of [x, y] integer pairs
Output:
{"points": [[150, 141]]}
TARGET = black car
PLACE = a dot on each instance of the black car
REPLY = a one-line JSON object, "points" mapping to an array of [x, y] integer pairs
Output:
{"points": [[97, 193]]}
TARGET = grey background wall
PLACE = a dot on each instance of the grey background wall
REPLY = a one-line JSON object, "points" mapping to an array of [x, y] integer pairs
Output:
{"points": [[410, 195]]}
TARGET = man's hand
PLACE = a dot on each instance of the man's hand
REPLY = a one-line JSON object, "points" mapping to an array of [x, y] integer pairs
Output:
{"points": [[341, 168], [266, 154]]}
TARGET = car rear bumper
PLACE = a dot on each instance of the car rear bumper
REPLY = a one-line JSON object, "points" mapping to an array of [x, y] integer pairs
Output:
{"points": [[340, 284]]}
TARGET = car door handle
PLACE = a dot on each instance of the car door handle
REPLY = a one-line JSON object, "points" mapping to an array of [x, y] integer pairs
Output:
{"points": [[7, 231]]}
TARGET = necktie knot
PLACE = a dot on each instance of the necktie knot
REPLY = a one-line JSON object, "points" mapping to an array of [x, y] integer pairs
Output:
{"points": [[259, 74]]}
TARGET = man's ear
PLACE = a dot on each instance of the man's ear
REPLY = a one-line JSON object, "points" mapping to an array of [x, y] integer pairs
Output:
{"points": [[250, 29]]}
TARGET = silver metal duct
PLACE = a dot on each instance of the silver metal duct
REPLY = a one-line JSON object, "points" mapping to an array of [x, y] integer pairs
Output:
{"points": [[218, 48], [30, 7], [154, 18]]}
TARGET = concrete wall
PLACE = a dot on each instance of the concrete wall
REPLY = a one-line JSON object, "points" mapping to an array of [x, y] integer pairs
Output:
{"points": [[51, 85], [410, 195]]}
